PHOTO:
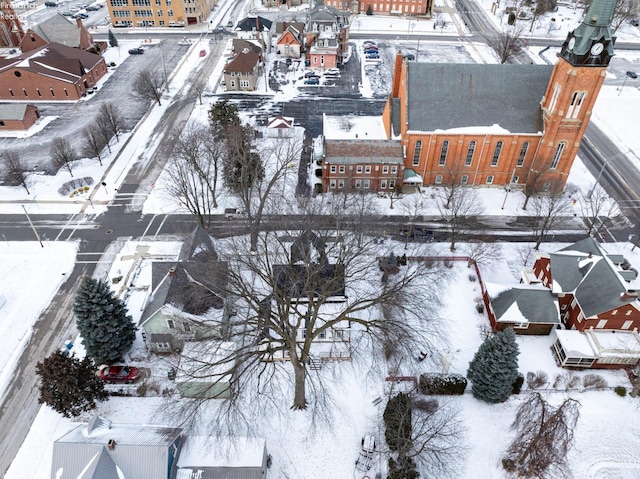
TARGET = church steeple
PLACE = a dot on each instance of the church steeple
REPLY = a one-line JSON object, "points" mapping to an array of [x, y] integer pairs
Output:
{"points": [[591, 44]]}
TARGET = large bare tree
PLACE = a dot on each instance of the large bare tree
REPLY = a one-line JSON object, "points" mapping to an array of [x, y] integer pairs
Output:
{"points": [[147, 85], [311, 293], [62, 154], [94, 142], [544, 436], [595, 207], [16, 171], [463, 206], [193, 171], [506, 44], [550, 208], [110, 120]]}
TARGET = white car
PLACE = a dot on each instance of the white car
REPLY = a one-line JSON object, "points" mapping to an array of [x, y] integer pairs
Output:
{"points": [[333, 71]]}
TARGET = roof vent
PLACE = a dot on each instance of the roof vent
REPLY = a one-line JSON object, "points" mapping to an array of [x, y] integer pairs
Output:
{"points": [[111, 444], [172, 272]]}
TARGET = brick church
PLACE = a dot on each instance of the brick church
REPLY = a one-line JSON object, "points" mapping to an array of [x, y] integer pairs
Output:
{"points": [[479, 124]]}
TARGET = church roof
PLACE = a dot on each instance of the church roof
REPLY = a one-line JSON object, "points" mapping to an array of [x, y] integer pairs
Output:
{"points": [[443, 96]]}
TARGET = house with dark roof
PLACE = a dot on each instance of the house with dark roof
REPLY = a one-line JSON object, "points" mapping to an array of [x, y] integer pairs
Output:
{"points": [[53, 72], [243, 72], [17, 116], [58, 29], [326, 35], [528, 309], [494, 124], [255, 28], [101, 449], [595, 290]]}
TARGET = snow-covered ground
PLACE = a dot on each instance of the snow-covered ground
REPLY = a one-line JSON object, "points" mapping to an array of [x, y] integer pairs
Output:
{"points": [[34, 272]]}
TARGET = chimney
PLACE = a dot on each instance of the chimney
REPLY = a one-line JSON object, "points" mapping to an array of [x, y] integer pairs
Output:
{"points": [[79, 22], [111, 444], [172, 272]]}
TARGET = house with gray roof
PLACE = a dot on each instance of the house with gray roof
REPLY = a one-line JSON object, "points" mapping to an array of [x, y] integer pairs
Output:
{"points": [[58, 29], [255, 28], [18, 116], [595, 290], [326, 37], [101, 449]]}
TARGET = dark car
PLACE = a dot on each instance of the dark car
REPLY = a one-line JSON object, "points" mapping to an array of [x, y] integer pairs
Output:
{"points": [[50, 4], [119, 374], [371, 52], [83, 16], [312, 81], [632, 74], [93, 8], [372, 56], [311, 75], [136, 51]]}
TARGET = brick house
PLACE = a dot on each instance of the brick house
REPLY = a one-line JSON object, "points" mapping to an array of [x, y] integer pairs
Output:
{"points": [[18, 116], [242, 73], [53, 72], [595, 290], [326, 37], [501, 124], [58, 29], [366, 165], [391, 7]]}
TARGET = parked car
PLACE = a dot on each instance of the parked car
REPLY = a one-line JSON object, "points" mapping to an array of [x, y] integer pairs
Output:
{"points": [[231, 213], [333, 71], [119, 374], [410, 56], [632, 74], [312, 81], [84, 16], [634, 22], [370, 47], [68, 14], [229, 24], [50, 4], [371, 52], [368, 42], [372, 56], [93, 8], [136, 51], [311, 75]]}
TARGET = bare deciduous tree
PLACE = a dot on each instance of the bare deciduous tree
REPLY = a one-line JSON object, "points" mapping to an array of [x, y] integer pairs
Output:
{"points": [[110, 120], [595, 206], [15, 170], [506, 44], [310, 287], [463, 205], [62, 154], [549, 208], [147, 85], [485, 252], [544, 436], [542, 6], [193, 171], [412, 210], [93, 142]]}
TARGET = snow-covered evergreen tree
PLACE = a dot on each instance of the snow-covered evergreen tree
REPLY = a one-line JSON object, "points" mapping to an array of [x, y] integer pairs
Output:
{"points": [[494, 368], [113, 41], [68, 385], [107, 330]]}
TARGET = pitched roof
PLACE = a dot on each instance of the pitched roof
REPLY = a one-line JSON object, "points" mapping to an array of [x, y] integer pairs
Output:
{"points": [[303, 280], [280, 122], [524, 304], [244, 62], [58, 29], [324, 13], [250, 24], [444, 96], [363, 151], [585, 270], [53, 60], [296, 26], [241, 44]]}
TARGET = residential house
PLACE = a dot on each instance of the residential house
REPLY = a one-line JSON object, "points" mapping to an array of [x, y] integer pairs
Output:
{"points": [[106, 450], [204, 371], [204, 457], [326, 37], [528, 309], [53, 72], [162, 13], [11, 32], [243, 72], [17, 116], [366, 165], [495, 124], [255, 28], [280, 127], [391, 7], [287, 3], [290, 43], [595, 290], [187, 303], [595, 349], [57, 29]]}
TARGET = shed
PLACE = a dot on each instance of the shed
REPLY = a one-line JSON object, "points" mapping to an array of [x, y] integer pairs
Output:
{"points": [[205, 457], [18, 116]]}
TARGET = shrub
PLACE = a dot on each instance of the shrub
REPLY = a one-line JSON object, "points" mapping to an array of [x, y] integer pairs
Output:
{"points": [[428, 405], [593, 381], [480, 307], [445, 384], [472, 278], [621, 391], [537, 380], [517, 385]]}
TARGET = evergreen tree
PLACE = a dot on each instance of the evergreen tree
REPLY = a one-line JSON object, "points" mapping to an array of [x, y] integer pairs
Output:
{"points": [[397, 421], [68, 385], [113, 41], [494, 368], [107, 330]]}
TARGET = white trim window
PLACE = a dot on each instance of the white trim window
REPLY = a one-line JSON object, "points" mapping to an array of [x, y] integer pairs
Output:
{"points": [[557, 155], [576, 102], [417, 150]]}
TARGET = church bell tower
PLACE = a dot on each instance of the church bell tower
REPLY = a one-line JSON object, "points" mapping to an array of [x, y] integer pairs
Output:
{"points": [[573, 89]]}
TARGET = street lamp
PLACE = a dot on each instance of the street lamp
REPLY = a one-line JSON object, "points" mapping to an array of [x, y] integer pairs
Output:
{"points": [[606, 162]]}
